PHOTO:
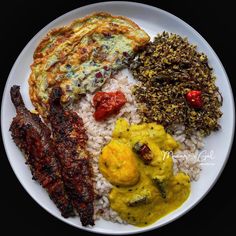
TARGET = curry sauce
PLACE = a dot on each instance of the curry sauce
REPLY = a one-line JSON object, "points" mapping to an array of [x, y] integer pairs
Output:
{"points": [[143, 191]]}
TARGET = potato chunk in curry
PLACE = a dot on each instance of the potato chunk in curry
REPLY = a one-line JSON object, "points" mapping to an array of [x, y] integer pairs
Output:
{"points": [[145, 131], [118, 164]]}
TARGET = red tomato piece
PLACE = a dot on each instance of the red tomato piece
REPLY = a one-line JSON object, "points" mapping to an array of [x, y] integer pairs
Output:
{"points": [[107, 104]]}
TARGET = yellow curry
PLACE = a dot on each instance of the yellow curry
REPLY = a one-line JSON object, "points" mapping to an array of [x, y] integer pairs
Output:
{"points": [[138, 165]]}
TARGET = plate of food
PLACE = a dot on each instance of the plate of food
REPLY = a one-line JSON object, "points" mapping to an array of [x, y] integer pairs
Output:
{"points": [[117, 118]]}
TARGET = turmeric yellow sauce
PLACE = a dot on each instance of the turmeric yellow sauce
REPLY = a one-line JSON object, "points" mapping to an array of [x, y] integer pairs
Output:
{"points": [[138, 165]]}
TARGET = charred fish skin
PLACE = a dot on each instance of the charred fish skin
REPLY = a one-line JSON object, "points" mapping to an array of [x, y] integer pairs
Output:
{"points": [[70, 138], [32, 137]]}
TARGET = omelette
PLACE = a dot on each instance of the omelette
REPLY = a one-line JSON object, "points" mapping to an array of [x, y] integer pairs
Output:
{"points": [[80, 57]]}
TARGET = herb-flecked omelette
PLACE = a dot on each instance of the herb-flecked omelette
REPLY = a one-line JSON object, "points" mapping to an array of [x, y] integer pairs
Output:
{"points": [[82, 56]]}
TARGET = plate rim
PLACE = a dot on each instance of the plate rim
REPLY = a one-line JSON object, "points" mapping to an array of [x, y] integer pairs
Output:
{"points": [[152, 227]]}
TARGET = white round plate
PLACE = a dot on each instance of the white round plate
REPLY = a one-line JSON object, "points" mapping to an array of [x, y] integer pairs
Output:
{"points": [[153, 21]]}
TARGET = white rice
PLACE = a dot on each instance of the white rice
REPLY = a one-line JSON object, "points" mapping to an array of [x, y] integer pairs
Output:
{"points": [[99, 134], [186, 159]]}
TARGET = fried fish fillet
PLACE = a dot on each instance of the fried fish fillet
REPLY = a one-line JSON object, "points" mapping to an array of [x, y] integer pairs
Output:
{"points": [[32, 137], [80, 57], [70, 138]]}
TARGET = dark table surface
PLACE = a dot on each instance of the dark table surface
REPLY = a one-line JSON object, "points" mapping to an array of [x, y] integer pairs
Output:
{"points": [[21, 20]]}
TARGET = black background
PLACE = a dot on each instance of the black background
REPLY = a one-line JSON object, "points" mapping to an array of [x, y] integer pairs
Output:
{"points": [[21, 20]]}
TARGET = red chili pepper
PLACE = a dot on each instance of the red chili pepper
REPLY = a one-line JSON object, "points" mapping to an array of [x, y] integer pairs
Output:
{"points": [[98, 75], [194, 98], [125, 54], [105, 67], [107, 103]]}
